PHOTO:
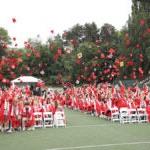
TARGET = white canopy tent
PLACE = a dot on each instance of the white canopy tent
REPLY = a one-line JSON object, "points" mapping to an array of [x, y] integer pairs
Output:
{"points": [[25, 80]]}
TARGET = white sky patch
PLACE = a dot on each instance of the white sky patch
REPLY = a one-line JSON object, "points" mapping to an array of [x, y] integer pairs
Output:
{"points": [[38, 17]]}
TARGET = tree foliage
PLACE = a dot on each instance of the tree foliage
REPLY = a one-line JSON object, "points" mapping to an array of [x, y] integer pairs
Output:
{"points": [[4, 40], [84, 53]]}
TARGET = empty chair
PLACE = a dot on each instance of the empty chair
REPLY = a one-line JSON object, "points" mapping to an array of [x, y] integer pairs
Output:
{"points": [[133, 115], [38, 120], [59, 119], [48, 119], [142, 115], [114, 114], [124, 115]]}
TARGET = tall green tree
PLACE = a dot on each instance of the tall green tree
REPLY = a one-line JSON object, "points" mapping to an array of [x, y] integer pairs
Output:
{"points": [[74, 35], [88, 32], [137, 39], [91, 32], [109, 37], [4, 40]]}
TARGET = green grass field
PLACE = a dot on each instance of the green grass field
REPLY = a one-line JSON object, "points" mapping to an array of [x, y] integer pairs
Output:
{"points": [[82, 132]]}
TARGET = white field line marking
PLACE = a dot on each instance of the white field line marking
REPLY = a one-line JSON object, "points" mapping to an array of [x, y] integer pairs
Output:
{"points": [[99, 125], [102, 145], [90, 125]]}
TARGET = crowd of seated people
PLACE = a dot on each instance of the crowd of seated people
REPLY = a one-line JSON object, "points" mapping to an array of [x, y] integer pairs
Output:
{"points": [[18, 103], [100, 100]]}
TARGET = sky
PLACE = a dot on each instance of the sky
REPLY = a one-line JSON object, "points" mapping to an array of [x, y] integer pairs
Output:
{"points": [[39, 17]]}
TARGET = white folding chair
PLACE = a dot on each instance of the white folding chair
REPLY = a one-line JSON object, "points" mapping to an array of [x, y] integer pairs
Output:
{"points": [[124, 116], [142, 115], [38, 120], [48, 119], [133, 117], [114, 114], [59, 119]]}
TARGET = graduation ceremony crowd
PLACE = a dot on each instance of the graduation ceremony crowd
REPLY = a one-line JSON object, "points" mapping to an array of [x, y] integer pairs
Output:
{"points": [[17, 103]]}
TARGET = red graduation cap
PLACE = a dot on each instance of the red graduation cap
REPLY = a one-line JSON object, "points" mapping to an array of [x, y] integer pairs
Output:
{"points": [[14, 20]]}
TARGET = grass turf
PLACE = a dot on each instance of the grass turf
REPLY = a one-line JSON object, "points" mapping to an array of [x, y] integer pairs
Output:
{"points": [[82, 130]]}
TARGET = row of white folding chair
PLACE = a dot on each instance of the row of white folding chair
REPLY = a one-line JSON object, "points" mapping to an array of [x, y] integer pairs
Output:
{"points": [[45, 120], [126, 115], [133, 115], [48, 120]]}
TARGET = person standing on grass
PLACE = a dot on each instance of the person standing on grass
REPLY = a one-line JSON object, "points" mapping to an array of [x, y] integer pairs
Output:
{"points": [[27, 117]]}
